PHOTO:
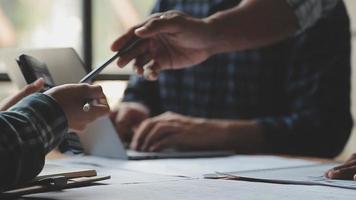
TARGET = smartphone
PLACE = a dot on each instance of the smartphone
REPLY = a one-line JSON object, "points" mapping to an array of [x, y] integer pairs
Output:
{"points": [[33, 69]]}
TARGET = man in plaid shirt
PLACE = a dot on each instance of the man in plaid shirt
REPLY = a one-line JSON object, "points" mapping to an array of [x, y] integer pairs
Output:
{"points": [[36, 125], [268, 76]]}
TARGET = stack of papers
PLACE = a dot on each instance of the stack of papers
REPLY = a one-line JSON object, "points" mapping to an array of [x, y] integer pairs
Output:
{"points": [[192, 168], [302, 175], [183, 179]]}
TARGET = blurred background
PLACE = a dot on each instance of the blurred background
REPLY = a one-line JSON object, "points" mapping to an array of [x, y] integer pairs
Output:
{"points": [[90, 26]]}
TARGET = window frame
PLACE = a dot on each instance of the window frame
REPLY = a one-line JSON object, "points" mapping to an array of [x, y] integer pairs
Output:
{"points": [[87, 45]]}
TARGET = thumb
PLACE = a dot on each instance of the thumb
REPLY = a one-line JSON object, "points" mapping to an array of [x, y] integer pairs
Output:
{"points": [[99, 110], [32, 88]]}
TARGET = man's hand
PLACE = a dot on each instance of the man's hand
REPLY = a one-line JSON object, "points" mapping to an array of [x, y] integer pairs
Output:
{"points": [[172, 40], [27, 90], [345, 171], [72, 97], [127, 117], [170, 130]]}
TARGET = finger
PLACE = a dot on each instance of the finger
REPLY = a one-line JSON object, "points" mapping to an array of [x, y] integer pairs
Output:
{"points": [[103, 101], [130, 35], [139, 49], [123, 124], [162, 144], [159, 132], [141, 133], [97, 111], [95, 92], [345, 165], [151, 70], [355, 177], [32, 88], [124, 39], [326, 174], [140, 62], [157, 26], [346, 173], [138, 70]]}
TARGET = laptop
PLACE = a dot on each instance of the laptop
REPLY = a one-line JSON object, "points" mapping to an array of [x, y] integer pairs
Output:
{"points": [[100, 137]]}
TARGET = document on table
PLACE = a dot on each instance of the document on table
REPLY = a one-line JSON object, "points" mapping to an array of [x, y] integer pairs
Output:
{"points": [[192, 168], [302, 175], [118, 176], [198, 189]]}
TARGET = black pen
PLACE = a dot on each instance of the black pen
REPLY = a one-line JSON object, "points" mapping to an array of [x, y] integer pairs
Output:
{"points": [[89, 77]]}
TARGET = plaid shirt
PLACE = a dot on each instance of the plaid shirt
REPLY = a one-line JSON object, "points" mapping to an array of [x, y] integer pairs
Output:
{"points": [[308, 12], [28, 131], [298, 89]]}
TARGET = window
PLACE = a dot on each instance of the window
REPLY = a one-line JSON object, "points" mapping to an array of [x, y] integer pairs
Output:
{"points": [[49, 23], [41, 23], [110, 19]]}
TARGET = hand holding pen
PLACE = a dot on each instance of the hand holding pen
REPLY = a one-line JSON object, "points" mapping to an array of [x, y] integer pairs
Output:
{"points": [[171, 40], [94, 73]]}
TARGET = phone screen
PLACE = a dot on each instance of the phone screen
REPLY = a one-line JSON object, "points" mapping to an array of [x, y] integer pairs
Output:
{"points": [[33, 69]]}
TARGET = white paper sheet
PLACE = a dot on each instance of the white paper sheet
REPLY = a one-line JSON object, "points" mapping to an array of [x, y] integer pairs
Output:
{"points": [[129, 182], [194, 168], [306, 175], [202, 189], [118, 176]]}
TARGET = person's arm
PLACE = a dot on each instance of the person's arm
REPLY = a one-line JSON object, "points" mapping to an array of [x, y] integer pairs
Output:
{"points": [[24, 92], [314, 119], [318, 84], [28, 131], [36, 124], [251, 24], [254, 23], [174, 40]]}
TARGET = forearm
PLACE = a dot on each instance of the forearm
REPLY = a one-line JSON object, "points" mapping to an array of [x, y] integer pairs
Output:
{"points": [[251, 24], [243, 136], [29, 130]]}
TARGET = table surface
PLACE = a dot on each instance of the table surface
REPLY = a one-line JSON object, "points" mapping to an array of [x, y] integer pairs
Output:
{"points": [[130, 184]]}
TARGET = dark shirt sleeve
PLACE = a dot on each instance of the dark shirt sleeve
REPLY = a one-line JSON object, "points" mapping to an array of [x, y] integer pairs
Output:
{"points": [[28, 131], [319, 120], [146, 92], [308, 12]]}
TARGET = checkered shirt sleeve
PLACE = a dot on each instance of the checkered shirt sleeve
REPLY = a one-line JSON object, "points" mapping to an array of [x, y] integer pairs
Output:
{"points": [[28, 131]]}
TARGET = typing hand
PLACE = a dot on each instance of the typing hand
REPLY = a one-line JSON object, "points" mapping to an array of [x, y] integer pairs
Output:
{"points": [[345, 171], [127, 117], [171, 130], [172, 40], [27, 90]]}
